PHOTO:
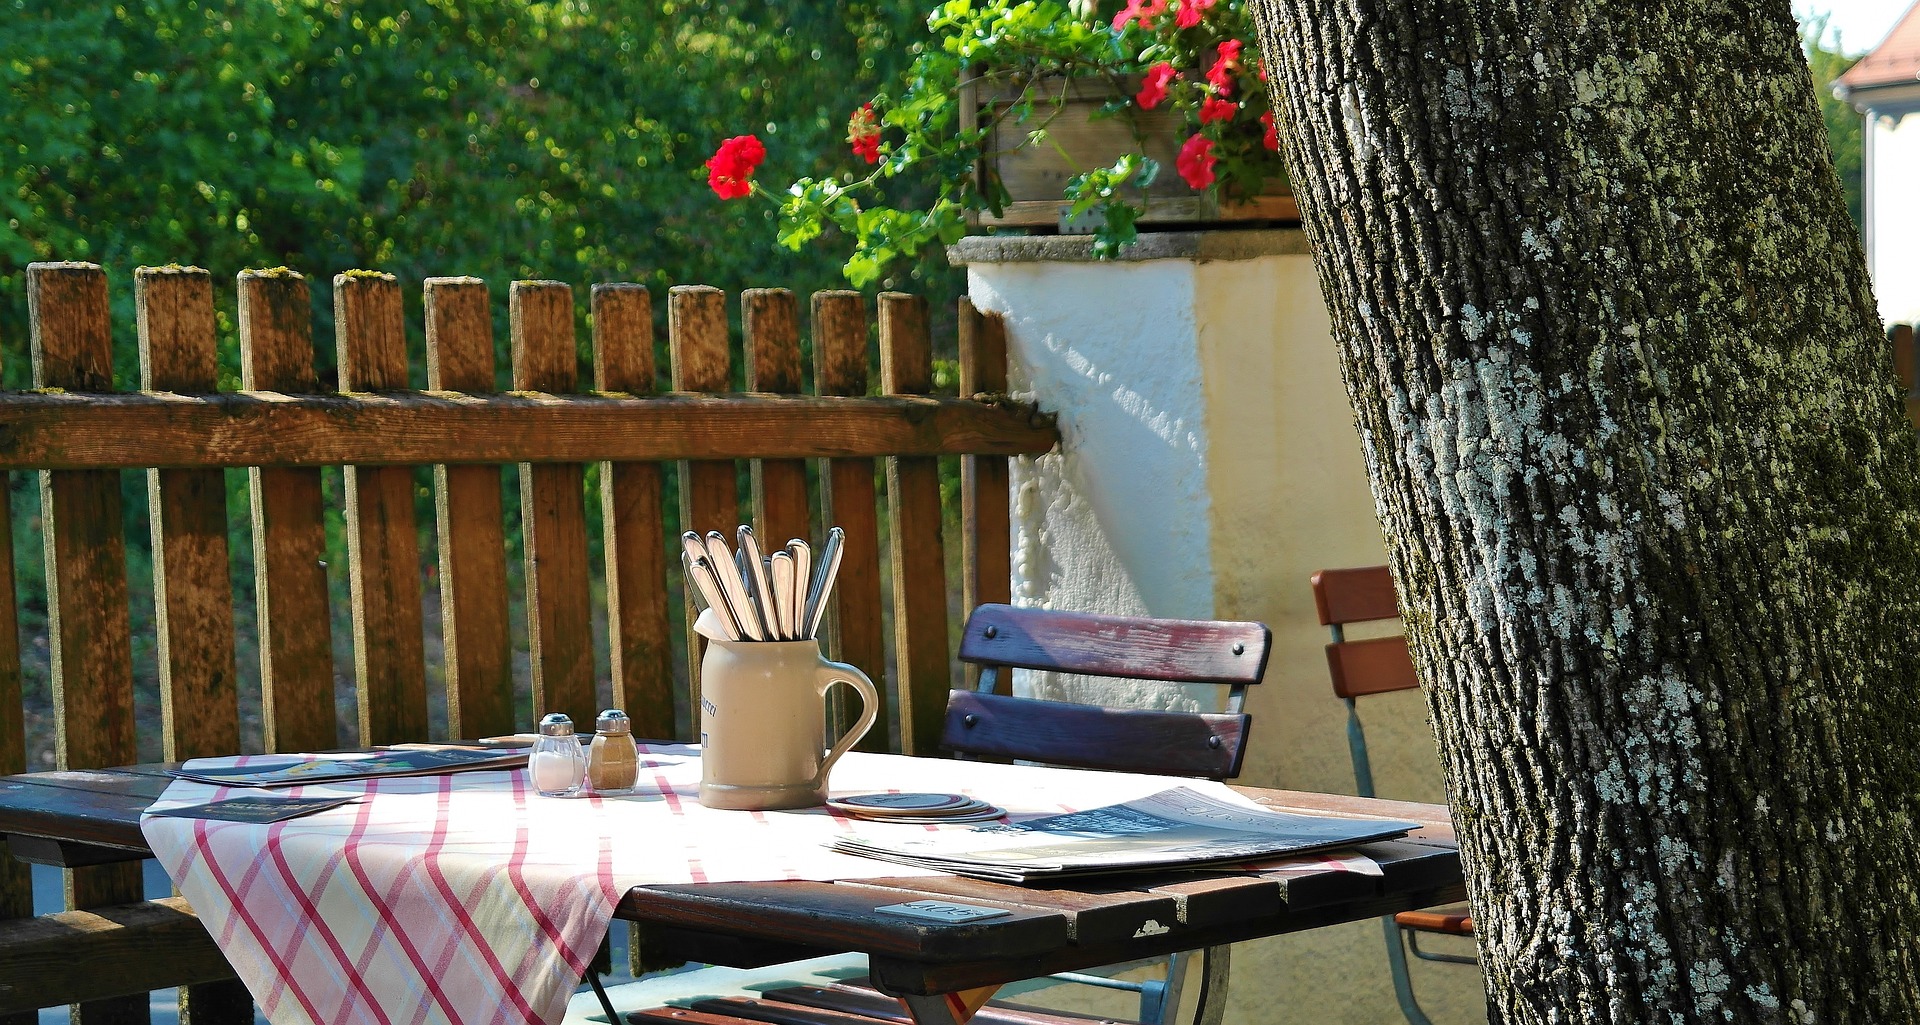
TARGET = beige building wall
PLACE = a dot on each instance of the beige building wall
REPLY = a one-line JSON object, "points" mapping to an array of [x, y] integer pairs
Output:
{"points": [[1208, 467]]}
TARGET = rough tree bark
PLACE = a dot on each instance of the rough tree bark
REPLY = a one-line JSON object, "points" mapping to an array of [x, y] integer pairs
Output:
{"points": [[1649, 494]]}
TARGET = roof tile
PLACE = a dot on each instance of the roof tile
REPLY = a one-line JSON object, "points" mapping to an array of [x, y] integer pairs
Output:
{"points": [[1894, 62]]}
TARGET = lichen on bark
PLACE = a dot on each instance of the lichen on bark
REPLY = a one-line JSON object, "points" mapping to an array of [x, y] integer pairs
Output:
{"points": [[1649, 492]]}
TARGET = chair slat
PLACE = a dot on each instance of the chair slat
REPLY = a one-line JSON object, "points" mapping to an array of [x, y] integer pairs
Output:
{"points": [[553, 515], [747, 1010], [849, 501], [1450, 923], [770, 324], [1092, 737], [1378, 665], [1359, 595], [709, 494], [187, 511], [1179, 651], [468, 513], [640, 640], [289, 527], [87, 621], [919, 558], [986, 516], [1900, 339], [383, 541], [870, 1005]]}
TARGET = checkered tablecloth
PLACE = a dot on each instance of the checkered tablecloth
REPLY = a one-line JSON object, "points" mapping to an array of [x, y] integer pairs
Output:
{"points": [[468, 898]]}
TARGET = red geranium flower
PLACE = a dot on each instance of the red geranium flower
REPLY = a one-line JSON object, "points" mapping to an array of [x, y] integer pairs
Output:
{"points": [[1195, 162], [1272, 138], [1220, 76], [1153, 86], [1143, 11], [730, 169], [863, 131], [1190, 11], [1213, 108]]}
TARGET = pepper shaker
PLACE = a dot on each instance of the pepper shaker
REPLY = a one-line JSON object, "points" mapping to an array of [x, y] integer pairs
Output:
{"points": [[613, 763], [557, 764]]}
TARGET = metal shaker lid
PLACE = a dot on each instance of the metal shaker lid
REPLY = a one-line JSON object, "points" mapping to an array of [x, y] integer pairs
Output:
{"points": [[613, 720], [556, 724]]}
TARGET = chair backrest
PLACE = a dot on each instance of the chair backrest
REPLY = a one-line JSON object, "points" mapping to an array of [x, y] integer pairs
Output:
{"points": [[1377, 665], [1001, 637]]}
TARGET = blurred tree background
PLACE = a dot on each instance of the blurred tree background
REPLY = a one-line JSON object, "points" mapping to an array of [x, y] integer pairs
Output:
{"points": [[1828, 62], [495, 138]]}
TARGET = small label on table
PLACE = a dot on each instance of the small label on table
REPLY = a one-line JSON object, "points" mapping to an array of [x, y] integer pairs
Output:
{"points": [[942, 911]]}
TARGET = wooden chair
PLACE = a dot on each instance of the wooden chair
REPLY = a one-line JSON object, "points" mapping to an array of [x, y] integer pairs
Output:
{"points": [[1379, 665], [990, 723]]}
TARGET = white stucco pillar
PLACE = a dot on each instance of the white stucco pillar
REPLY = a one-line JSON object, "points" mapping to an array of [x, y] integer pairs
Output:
{"points": [[1892, 158], [1208, 466]]}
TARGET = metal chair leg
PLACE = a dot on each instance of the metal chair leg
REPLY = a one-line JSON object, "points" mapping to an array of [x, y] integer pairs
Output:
{"points": [[1213, 986], [606, 1003], [1413, 944], [602, 962], [1402, 984]]}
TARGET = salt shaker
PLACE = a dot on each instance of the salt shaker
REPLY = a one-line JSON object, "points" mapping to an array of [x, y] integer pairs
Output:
{"points": [[557, 764], [613, 763]]}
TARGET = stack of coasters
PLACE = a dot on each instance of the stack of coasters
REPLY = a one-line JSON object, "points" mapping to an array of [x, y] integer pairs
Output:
{"points": [[920, 809]]}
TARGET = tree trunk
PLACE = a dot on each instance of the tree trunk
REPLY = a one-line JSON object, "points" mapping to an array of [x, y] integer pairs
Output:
{"points": [[1648, 490]]}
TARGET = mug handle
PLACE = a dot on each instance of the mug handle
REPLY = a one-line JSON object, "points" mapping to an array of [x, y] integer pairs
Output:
{"points": [[831, 673]]}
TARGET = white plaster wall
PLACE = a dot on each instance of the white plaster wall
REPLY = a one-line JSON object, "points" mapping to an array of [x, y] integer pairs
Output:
{"points": [[1116, 520], [1895, 211]]}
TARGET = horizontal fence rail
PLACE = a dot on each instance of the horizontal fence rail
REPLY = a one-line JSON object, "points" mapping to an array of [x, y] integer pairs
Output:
{"points": [[249, 636], [66, 431]]}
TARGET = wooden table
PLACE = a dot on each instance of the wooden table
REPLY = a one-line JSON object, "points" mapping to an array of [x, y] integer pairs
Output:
{"points": [[83, 818]]}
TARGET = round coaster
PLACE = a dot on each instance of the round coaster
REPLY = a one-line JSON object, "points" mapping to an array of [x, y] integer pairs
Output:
{"points": [[904, 804], [972, 815]]}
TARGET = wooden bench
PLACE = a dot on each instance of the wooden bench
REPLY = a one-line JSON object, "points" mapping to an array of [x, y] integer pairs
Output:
{"points": [[621, 438]]}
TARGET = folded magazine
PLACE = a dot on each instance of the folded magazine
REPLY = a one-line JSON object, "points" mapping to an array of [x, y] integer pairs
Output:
{"points": [[295, 770], [1177, 828]]}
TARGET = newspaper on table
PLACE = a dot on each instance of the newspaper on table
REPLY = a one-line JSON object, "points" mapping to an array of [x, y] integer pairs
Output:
{"points": [[402, 760], [1176, 828]]}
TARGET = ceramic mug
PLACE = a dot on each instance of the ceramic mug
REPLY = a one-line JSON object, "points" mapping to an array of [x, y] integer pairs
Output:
{"points": [[762, 723]]}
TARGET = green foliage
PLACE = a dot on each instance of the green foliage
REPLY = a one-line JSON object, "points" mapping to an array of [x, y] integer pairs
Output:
{"points": [[1014, 52], [1843, 122], [496, 138]]}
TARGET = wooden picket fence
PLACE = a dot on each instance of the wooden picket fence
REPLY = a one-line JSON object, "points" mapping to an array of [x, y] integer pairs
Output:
{"points": [[184, 433]]}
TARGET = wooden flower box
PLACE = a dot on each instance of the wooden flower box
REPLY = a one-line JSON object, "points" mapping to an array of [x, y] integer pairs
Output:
{"points": [[1036, 175]]}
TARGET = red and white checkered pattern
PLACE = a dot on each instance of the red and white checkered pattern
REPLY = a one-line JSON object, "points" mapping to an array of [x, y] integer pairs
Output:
{"points": [[470, 899]]}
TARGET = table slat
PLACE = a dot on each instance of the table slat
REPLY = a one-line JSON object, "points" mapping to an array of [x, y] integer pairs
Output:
{"points": [[1097, 913], [838, 915]]}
